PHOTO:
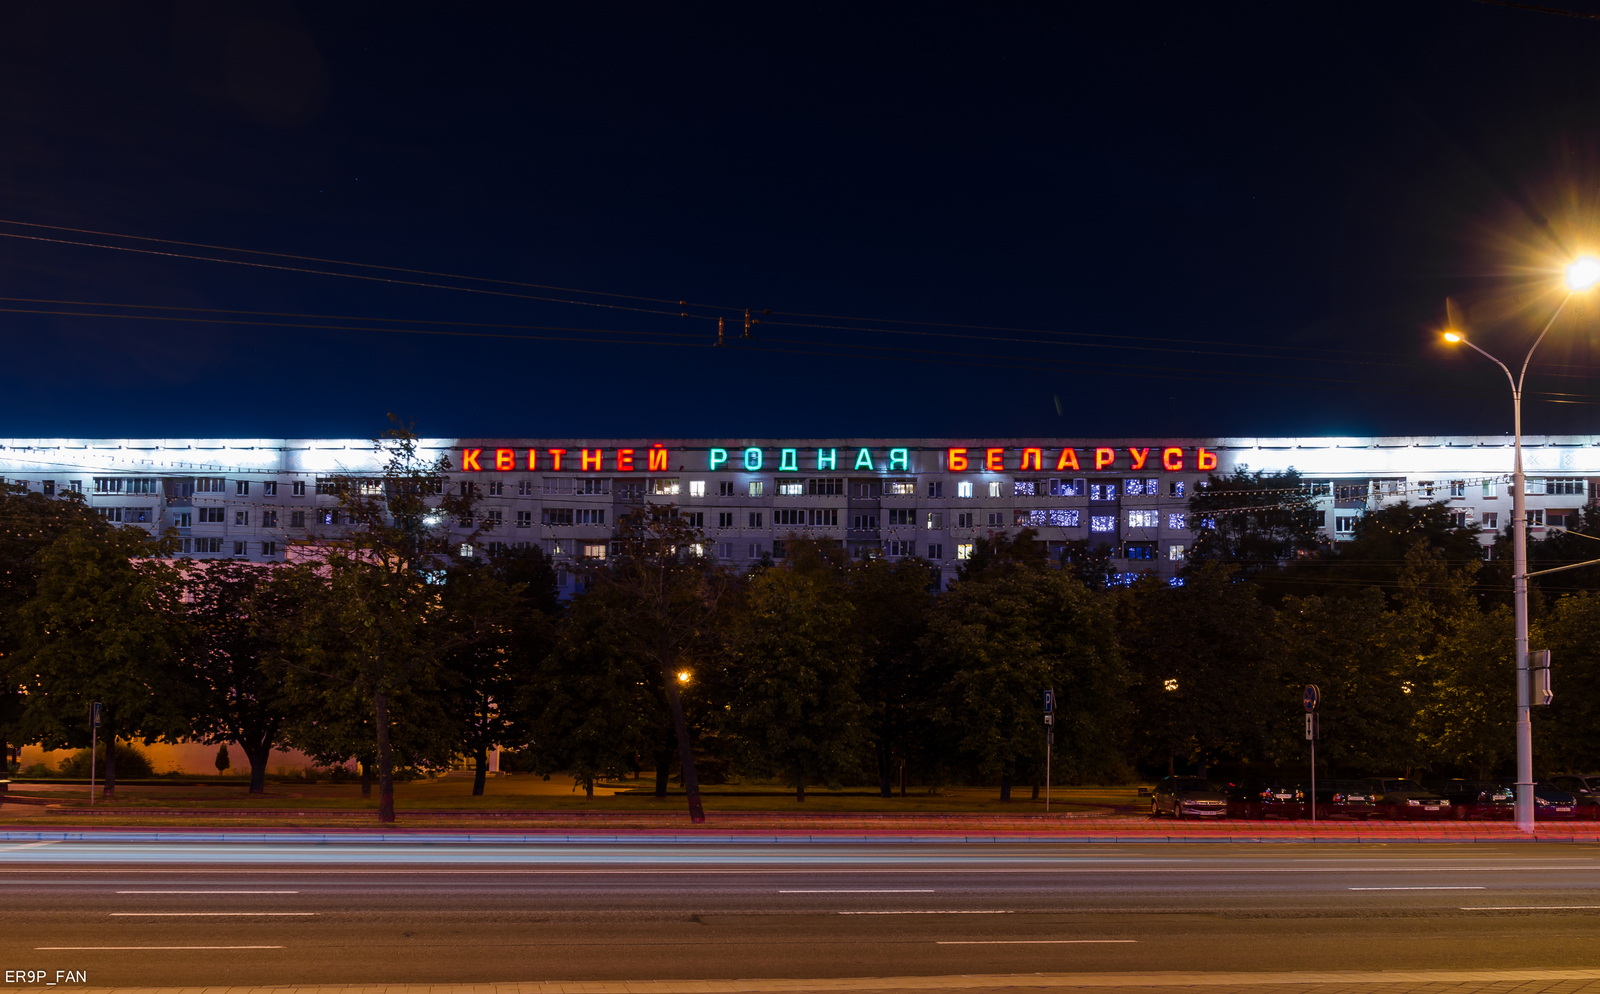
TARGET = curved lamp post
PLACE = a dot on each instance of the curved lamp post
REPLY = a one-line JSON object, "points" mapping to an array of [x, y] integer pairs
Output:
{"points": [[1583, 274]]}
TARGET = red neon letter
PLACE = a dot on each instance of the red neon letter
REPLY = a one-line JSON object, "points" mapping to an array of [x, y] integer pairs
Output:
{"points": [[1104, 458], [1139, 457], [1068, 460], [1037, 457], [533, 458], [594, 463], [555, 458], [624, 460], [1172, 460], [994, 460], [958, 460], [1205, 460], [505, 459], [469, 460], [658, 459]]}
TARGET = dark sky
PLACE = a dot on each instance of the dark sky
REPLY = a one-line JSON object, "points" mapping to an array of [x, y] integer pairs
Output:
{"points": [[1037, 221]]}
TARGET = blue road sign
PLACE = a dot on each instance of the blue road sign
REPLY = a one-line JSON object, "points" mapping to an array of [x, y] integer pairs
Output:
{"points": [[1312, 696], [1049, 702]]}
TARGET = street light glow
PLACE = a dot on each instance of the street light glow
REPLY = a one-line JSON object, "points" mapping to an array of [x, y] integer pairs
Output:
{"points": [[1583, 273], [683, 676], [1452, 336]]}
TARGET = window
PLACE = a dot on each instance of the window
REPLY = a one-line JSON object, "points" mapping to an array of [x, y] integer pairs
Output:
{"points": [[1345, 524], [109, 513], [297, 519], [901, 488], [594, 486], [754, 550], [630, 490], [1175, 553], [1024, 488], [900, 547], [497, 488], [269, 548], [241, 517], [77, 486], [596, 550], [1177, 520], [108, 484], [996, 519], [697, 488], [724, 550], [828, 487], [297, 488], [269, 488], [327, 517], [1491, 520], [1066, 488], [725, 519], [936, 488], [212, 516], [138, 515], [694, 519], [1139, 550], [935, 520], [1102, 491], [755, 519], [866, 522], [901, 516], [791, 488], [1458, 488], [825, 517], [1175, 489], [180, 519], [1103, 523], [1058, 517], [1564, 488], [525, 488], [208, 546], [1350, 492], [1144, 519], [780, 549], [964, 489], [964, 519], [1536, 517], [557, 516], [1458, 519], [964, 550], [1490, 488], [994, 488], [241, 488], [269, 519], [524, 519], [725, 488], [935, 550], [1135, 488], [558, 485], [756, 487], [49, 488], [662, 487], [239, 548], [493, 518]]}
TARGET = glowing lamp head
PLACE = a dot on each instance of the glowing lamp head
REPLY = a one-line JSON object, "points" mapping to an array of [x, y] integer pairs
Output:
{"points": [[683, 676], [1452, 337], [1583, 273]]}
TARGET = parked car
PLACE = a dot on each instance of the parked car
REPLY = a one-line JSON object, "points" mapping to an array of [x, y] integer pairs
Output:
{"points": [[1261, 797], [1476, 798], [1549, 802], [1406, 799], [1586, 788], [1341, 798], [1187, 797]]}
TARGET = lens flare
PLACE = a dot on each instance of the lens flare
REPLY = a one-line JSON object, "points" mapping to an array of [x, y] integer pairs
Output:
{"points": [[1451, 336], [1583, 273]]}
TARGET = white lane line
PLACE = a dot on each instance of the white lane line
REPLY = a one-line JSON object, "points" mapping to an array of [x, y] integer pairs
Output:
{"points": [[208, 892], [31, 845], [1029, 942], [908, 890], [1419, 888], [1537, 907], [81, 948], [214, 914], [923, 912]]}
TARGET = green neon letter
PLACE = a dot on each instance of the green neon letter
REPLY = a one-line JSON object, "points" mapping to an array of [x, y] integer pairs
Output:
{"points": [[899, 459], [789, 461], [718, 457], [752, 459], [827, 458], [864, 460]]}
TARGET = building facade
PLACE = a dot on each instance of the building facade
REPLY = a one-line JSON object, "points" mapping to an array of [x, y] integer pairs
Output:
{"points": [[928, 498]]}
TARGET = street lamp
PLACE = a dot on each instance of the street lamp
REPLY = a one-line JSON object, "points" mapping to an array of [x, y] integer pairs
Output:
{"points": [[1581, 275]]}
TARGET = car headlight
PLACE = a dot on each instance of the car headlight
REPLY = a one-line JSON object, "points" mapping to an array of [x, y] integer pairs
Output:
{"points": [[1413, 802], [1444, 804], [1541, 802]]}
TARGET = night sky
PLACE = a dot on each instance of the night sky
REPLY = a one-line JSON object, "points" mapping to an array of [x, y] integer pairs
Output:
{"points": [[966, 220]]}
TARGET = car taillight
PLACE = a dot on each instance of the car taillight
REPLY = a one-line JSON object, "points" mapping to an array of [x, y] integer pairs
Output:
{"points": [[1338, 798]]}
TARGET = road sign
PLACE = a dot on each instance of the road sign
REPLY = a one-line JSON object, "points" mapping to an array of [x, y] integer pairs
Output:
{"points": [[1049, 701], [94, 715], [1312, 696], [1539, 678], [1311, 726]]}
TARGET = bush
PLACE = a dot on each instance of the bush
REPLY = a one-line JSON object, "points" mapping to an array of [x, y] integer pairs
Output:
{"points": [[39, 770], [131, 764]]}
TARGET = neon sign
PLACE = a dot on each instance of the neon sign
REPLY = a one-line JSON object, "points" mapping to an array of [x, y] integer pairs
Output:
{"points": [[755, 459]]}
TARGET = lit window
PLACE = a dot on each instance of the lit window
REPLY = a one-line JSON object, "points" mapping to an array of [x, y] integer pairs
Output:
{"points": [[994, 488], [790, 488], [664, 487], [964, 489], [1066, 488], [901, 488], [697, 488], [1103, 523], [596, 551], [756, 488], [1054, 517], [1344, 524], [1024, 488], [1102, 491], [1175, 553], [1143, 519], [935, 519], [964, 550], [1177, 520], [1175, 489]]}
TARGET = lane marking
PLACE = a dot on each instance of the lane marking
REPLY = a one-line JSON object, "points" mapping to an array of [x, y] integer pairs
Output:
{"points": [[908, 890], [208, 892], [1537, 907], [82, 948], [214, 914], [923, 912], [1029, 942], [31, 845], [1420, 888]]}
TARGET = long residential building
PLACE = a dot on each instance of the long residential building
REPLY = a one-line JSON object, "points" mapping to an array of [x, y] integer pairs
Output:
{"points": [[257, 498]]}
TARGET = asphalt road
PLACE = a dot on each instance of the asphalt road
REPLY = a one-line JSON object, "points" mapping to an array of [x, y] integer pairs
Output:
{"points": [[195, 915]]}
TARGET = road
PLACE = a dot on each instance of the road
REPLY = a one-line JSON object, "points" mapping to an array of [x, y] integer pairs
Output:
{"points": [[204, 914]]}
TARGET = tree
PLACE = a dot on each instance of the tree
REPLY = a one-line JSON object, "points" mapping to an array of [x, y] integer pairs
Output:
{"points": [[1005, 635], [1256, 521], [100, 628], [892, 601], [1568, 731], [796, 710], [223, 762]]}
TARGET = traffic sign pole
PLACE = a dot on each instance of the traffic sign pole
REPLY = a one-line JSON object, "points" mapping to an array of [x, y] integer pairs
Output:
{"points": [[1049, 738], [94, 742], [1312, 697]]}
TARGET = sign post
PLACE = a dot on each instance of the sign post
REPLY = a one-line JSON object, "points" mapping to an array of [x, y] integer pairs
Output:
{"points": [[94, 742], [1049, 738], [1311, 697]]}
